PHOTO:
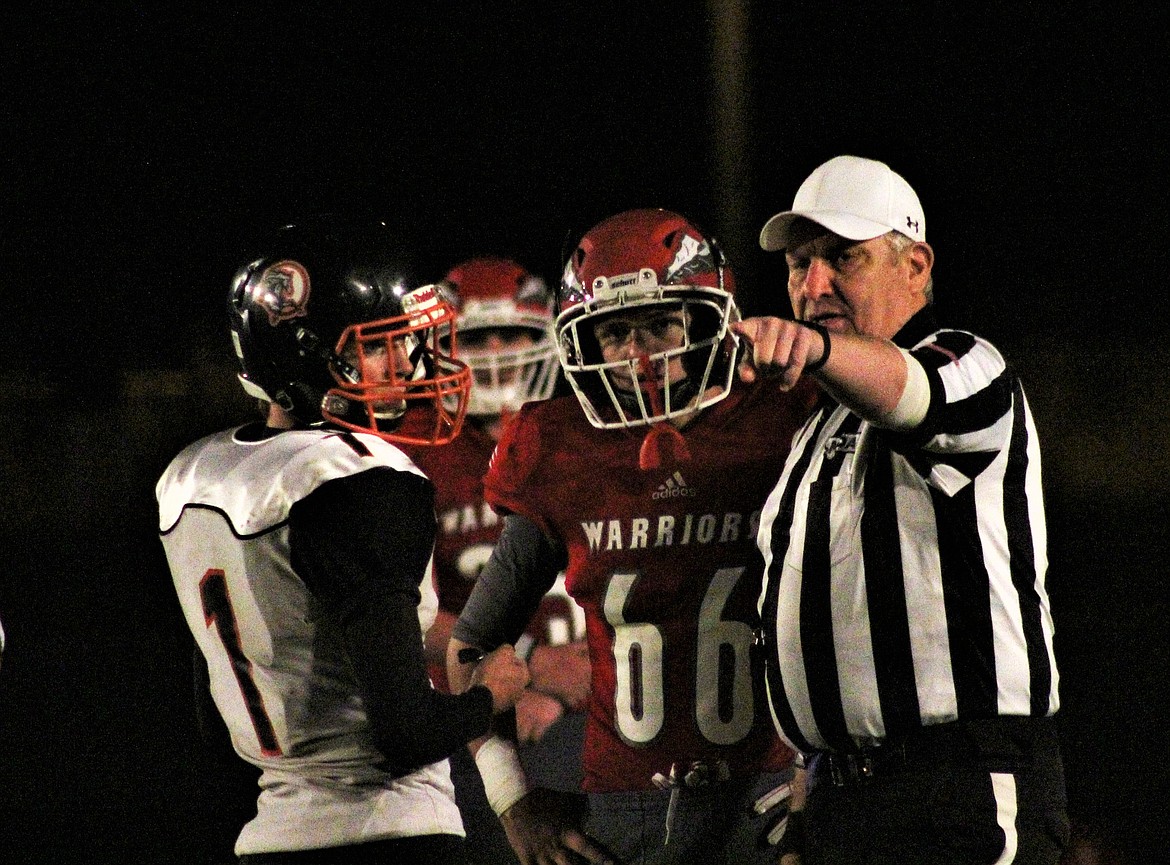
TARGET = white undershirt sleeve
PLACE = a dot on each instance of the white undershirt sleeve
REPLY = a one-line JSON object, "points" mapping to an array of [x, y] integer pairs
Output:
{"points": [[915, 399]]}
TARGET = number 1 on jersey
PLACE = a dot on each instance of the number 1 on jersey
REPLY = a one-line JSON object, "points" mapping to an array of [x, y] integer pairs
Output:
{"points": [[217, 611]]}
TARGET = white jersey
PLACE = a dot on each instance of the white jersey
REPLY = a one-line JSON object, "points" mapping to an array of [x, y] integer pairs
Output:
{"points": [[281, 682]]}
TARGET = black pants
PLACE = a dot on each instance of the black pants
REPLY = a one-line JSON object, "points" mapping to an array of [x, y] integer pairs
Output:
{"points": [[957, 794], [417, 850]]}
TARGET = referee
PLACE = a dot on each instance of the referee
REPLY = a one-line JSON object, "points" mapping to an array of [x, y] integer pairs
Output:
{"points": [[906, 625]]}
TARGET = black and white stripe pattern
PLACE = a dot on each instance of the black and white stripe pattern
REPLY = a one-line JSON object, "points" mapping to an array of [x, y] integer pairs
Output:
{"points": [[905, 571]]}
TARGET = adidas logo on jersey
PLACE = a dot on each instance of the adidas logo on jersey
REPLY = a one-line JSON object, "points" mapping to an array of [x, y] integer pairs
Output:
{"points": [[673, 487]]}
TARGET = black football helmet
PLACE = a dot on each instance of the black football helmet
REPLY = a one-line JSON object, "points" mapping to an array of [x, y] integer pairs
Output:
{"points": [[327, 296]]}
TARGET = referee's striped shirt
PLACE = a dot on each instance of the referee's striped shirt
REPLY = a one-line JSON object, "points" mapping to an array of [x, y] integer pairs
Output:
{"points": [[905, 571]]}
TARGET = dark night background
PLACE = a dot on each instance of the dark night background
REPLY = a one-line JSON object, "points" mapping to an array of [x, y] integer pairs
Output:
{"points": [[140, 144]]}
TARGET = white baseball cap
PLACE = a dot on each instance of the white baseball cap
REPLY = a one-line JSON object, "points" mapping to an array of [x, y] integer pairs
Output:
{"points": [[856, 198]]}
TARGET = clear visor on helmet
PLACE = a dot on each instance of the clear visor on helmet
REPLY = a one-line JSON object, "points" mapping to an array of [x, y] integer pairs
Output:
{"points": [[396, 380], [649, 355]]}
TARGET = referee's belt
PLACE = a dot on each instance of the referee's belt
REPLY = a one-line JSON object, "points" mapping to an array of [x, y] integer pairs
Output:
{"points": [[1004, 744]]}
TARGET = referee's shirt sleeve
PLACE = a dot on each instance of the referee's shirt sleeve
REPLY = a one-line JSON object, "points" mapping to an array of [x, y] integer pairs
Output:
{"points": [[971, 392], [362, 544]]}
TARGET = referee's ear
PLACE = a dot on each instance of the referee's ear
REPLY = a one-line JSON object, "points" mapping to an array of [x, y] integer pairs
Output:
{"points": [[920, 260]]}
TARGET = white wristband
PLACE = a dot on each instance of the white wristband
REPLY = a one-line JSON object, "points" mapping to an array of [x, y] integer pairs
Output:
{"points": [[503, 776], [915, 399], [524, 646]]}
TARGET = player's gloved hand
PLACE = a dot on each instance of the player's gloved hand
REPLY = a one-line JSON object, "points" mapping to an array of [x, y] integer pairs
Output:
{"points": [[543, 828], [535, 713], [562, 672]]}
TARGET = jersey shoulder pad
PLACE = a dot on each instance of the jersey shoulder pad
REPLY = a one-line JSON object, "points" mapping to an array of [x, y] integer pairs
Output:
{"points": [[324, 455], [526, 441], [256, 483]]}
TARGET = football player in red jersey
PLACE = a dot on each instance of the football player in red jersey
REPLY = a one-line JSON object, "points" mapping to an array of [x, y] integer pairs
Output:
{"points": [[504, 317], [649, 500], [300, 551]]}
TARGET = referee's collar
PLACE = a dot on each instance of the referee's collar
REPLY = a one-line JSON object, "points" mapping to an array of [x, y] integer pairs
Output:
{"points": [[921, 325]]}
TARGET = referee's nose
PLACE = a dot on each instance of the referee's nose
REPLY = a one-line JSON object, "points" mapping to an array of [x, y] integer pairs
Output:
{"points": [[818, 279], [804, 290]]}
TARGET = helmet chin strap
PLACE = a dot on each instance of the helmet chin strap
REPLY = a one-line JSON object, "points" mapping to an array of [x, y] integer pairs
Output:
{"points": [[681, 391], [663, 442]]}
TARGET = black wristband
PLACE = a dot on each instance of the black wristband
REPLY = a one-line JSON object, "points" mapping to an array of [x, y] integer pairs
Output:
{"points": [[826, 345], [793, 840]]}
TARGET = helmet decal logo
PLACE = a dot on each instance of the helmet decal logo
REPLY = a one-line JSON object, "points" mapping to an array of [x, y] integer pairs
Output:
{"points": [[693, 256], [532, 290], [571, 288], [284, 291]]}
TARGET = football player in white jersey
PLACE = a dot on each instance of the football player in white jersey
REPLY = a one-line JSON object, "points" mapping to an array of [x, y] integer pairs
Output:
{"points": [[300, 549]]}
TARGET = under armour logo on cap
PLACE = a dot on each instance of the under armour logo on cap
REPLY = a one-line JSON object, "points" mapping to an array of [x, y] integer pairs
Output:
{"points": [[857, 198]]}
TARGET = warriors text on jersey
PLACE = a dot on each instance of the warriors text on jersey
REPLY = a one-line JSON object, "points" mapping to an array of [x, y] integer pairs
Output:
{"points": [[665, 565], [906, 571], [278, 644]]}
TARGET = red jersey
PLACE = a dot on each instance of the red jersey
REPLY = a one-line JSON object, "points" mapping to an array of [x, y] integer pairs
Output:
{"points": [[468, 529], [665, 565]]}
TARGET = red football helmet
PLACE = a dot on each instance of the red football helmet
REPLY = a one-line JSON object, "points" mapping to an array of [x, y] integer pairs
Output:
{"points": [[505, 316], [645, 259]]}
